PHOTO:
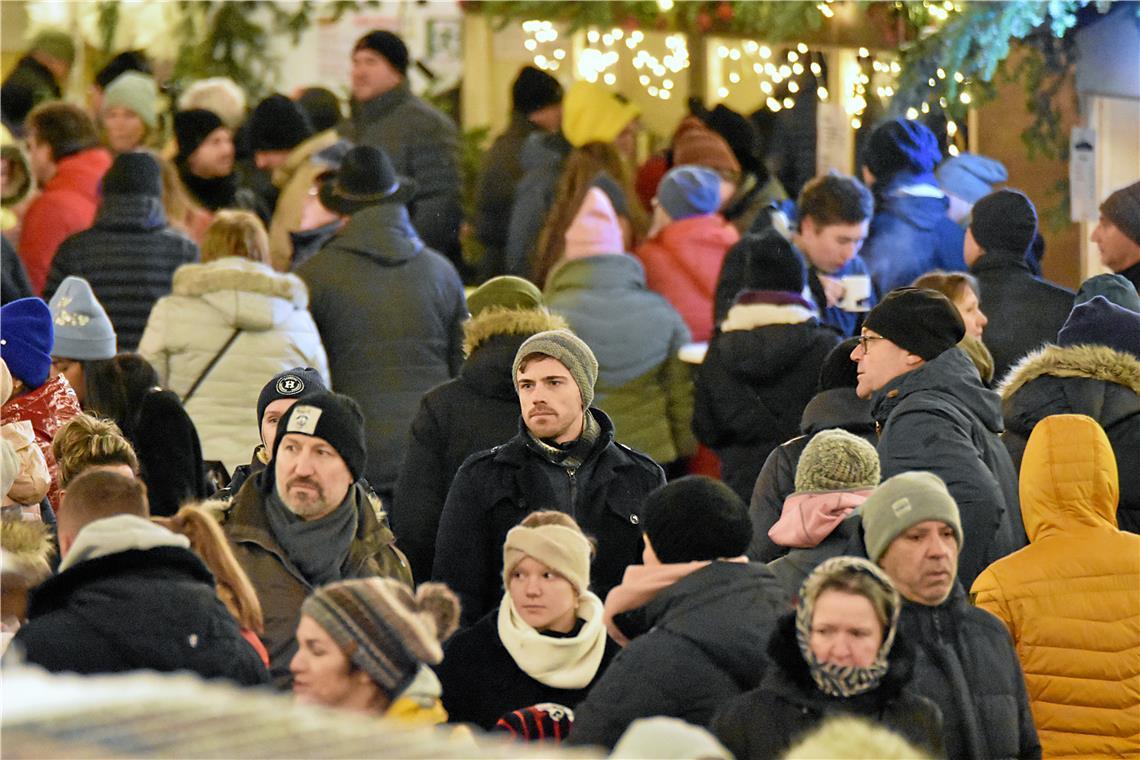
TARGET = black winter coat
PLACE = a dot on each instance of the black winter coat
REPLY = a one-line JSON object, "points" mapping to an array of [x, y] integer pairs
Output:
{"points": [[833, 408], [751, 392], [495, 489], [482, 682], [1092, 380], [153, 609], [967, 665], [764, 723], [502, 171], [1025, 312], [696, 645], [792, 569], [941, 419], [390, 312], [473, 412], [128, 256]]}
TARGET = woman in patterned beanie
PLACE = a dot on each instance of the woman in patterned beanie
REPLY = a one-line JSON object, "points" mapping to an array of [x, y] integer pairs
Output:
{"points": [[837, 653]]}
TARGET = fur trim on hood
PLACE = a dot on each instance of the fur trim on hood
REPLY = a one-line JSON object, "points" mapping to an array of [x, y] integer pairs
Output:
{"points": [[497, 320], [238, 274], [1095, 362], [27, 549]]}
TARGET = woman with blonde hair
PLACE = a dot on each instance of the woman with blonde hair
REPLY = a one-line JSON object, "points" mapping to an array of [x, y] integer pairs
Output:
{"points": [[230, 323], [85, 442], [962, 290]]}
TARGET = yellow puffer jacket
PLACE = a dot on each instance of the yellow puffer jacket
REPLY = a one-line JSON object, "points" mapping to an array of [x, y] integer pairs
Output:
{"points": [[1071, 599]]}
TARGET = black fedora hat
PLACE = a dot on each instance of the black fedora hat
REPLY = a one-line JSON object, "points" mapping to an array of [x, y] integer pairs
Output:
{"points": [[365, 178]]}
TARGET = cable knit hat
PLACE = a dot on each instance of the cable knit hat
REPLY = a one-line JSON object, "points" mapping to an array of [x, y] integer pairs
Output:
{"points": [[563, 549], [136, 92], [506, 292], [591, 113], [83, 330], [595, 229], [134, 173], [696, 518], [334, 417], [1117, 288], [694, 143], [919, 320], [1099, 322], [902, 502], [278, 123], [687, 191], [569, 349], [1122, 208], [773, 264], [385, 629], [26, 339], [192, 127], [901, 145], [835, 460], [389, 45], [1005, 220], [297, 383], [534, 90], [970, 176]]}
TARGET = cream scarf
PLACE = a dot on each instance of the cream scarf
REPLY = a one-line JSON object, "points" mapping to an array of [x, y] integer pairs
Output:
{"points": [[562, 663]]}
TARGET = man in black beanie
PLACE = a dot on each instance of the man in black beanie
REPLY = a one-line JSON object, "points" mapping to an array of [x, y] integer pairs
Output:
{"points": [[1002, 228], [422, 142], [536, 104], [934, 414], [205, 163], [306, 520]]}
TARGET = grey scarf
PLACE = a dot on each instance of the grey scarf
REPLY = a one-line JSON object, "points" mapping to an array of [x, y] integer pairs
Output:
{"points": [[572, 454], [319, 548]]}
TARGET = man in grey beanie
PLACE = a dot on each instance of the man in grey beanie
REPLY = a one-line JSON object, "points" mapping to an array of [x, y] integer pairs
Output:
{"points": [[1117, 234], [966, 661], [564, 457]]}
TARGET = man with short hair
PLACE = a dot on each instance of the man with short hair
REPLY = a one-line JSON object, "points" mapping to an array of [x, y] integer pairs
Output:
{"points": [[934, 414], [564, 457], [306, 520], [422, 142], [68, 164], [966, 663], [130, 595], [1117, 234]]}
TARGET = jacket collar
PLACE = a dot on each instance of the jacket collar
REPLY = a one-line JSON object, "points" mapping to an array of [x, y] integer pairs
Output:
{"points": [[131, 212], [996, 261], [383, 233], [516, 452], [370, 110]]}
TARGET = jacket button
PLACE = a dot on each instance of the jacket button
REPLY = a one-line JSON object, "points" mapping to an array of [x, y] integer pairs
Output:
{"points": [[634, 519]]}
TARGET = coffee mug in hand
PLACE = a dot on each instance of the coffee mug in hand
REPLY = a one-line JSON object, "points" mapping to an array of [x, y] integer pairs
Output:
{"points": [[856, 292]]}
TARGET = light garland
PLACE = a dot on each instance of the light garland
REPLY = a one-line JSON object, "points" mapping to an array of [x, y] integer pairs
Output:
{"points": [[541, 40]]}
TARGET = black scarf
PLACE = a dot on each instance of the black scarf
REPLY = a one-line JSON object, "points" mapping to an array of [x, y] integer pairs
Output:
{"points": [[212, 194], [319, 548]]}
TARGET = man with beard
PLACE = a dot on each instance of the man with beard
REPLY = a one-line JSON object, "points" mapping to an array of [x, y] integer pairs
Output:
{"points": [[205, 163]]}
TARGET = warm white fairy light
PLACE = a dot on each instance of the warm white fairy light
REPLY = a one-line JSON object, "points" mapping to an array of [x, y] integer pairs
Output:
{"points": [[541, 40]]}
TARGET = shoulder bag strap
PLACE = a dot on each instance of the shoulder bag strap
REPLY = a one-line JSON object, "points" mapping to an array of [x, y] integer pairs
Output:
{"points": [[211, 365]]}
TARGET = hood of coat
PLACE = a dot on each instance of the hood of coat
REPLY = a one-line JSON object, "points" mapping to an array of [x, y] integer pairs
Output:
{"points": [[491, 341], [499, 321], [765, 354], [1068, 478], [600, 272], [250, 295], [837, 408], [382, 233], [915, 199], [120, 533], [1093, 380], [950, 374], [131, 212]]}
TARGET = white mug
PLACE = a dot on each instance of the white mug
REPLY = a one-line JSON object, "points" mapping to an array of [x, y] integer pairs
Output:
{"points": [[856, 292]]}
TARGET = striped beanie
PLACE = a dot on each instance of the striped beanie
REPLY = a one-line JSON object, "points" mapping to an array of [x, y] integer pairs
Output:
{"points": [[383, 628]]}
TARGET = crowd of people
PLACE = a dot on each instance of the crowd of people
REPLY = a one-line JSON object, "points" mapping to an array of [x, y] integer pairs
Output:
{"points": [[687, 460]]}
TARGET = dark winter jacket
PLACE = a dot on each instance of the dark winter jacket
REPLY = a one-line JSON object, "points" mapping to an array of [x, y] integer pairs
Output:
{"points": [[13, 279], [128, 256], [636, 335], [764, 723], [423, 145], [1132, 274], [910, 233], [495, 489], [941, 419], [482, 682], [153, 609], [1025, 312], [696, 645], [541, 159], [473, 412], [390, 312], [755, 382], [28, 84], [793, 568], [502, 171], [833, 408], [967, 665], [1092, 380], [279, 583]]}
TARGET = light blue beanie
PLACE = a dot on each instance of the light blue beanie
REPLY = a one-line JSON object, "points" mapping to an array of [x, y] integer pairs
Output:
{"points": [[83, 330], [969, 176], [689, 190]]}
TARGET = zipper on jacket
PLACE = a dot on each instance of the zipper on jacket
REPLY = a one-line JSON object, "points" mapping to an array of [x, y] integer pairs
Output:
{"points": [[573, 490]]}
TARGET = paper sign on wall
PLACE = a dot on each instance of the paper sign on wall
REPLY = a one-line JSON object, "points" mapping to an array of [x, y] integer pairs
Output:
{"points": [[1082, 175]]}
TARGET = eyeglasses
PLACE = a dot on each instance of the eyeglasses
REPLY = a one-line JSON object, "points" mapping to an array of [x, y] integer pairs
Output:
{"points": [[864, 340]]}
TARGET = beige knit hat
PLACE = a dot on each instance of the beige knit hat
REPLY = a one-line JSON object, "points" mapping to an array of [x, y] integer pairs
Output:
{"points": [[564, 550], [835, 460]]}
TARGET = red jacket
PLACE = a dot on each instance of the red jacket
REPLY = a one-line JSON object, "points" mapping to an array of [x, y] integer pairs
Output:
{"points": [[682, 263], [67, 205], [47, 408]]}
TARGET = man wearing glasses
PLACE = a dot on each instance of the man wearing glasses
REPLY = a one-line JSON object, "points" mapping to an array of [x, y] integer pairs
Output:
{"points": [[934, 414]]}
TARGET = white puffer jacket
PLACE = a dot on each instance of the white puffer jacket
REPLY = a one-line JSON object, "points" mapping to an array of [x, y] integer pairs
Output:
{"points": [[188, 328]]}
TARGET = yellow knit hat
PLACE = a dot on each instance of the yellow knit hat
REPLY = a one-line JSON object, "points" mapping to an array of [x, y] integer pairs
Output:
{"points": [[591, 113]]}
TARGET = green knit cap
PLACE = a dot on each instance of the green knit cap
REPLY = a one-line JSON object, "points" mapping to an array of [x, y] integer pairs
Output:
{"points": [[902, 502], [505, 291], [835, 460], [55, 43], [569, 349], [136, 92]]}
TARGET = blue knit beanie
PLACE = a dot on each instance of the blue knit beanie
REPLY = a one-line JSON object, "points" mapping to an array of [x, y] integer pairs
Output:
{"points": [[969, 176], [26, 338], [83, 330], [1101, 323], [689, 191], [901, 145]]}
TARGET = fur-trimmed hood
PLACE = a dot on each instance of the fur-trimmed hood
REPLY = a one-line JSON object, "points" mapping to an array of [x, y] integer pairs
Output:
{"points": [[27, 550], [251, 295], [500, 321], [1087, 361]]}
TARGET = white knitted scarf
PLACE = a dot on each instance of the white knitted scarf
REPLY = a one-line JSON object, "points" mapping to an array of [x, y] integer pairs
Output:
{"points": [[562, 663]]}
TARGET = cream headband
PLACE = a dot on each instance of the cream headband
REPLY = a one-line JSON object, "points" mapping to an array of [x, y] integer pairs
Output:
{"points": [[564, 550]]}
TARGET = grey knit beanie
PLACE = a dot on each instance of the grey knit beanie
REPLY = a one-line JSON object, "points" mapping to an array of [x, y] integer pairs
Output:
{"points": [[902, 502], [835, 460], [83, 331], [569, 349]]}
